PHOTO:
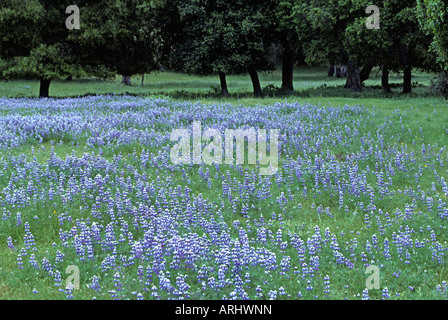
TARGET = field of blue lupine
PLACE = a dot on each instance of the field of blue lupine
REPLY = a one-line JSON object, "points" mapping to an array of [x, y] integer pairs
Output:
{"points": [[88, 182]]}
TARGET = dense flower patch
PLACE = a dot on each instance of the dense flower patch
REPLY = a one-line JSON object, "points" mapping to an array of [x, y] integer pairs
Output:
{"points": [[89, 183]]}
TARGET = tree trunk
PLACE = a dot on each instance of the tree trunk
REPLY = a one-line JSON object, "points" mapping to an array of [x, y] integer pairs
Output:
{"points": [[407, 71], [385, 86], [353, 78], [126, 80], [255, 82], [443, 89], [365, 73], [223, 81], [331, 70], [143, 79], [44, 88], [288, 70]]}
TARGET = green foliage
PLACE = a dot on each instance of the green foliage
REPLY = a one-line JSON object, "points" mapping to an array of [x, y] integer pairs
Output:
{"points": [[44, 62], [320, 27], [368, 46], [432, 15], [34, 42], [17, 19], [226, 36], [114, 37], [401, 24], [130, 37], [122, 36], [439, 85], [285, 32], [271, 90], [336, 31]]}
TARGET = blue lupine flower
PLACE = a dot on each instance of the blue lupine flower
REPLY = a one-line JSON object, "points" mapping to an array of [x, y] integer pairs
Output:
{"points": [[113, 294], [95, 284], [327, 285], [365, 294], [69, 293], [272, 295], [385, 293], [33, 261], [10, 244]]}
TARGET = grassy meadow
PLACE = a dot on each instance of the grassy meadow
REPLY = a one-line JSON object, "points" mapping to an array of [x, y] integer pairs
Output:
{"points": [[88, 181], [308, 82]]}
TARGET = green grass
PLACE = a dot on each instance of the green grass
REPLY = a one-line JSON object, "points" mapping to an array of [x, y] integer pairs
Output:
{"points": [[308, 82]]}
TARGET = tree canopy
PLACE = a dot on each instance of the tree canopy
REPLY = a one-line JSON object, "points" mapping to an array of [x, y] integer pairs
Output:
{"points": [[35, 43], [223, 37], [433, 17], [121, 35]]}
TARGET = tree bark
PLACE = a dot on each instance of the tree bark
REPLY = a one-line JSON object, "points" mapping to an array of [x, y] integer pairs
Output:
{"points": [[288, 70], [223, 81], [331, 70], [353, 78], [255, 82], [385, 86], [407, 71], [143, 79], [126, 80], [365, 73], [44, 88]]}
